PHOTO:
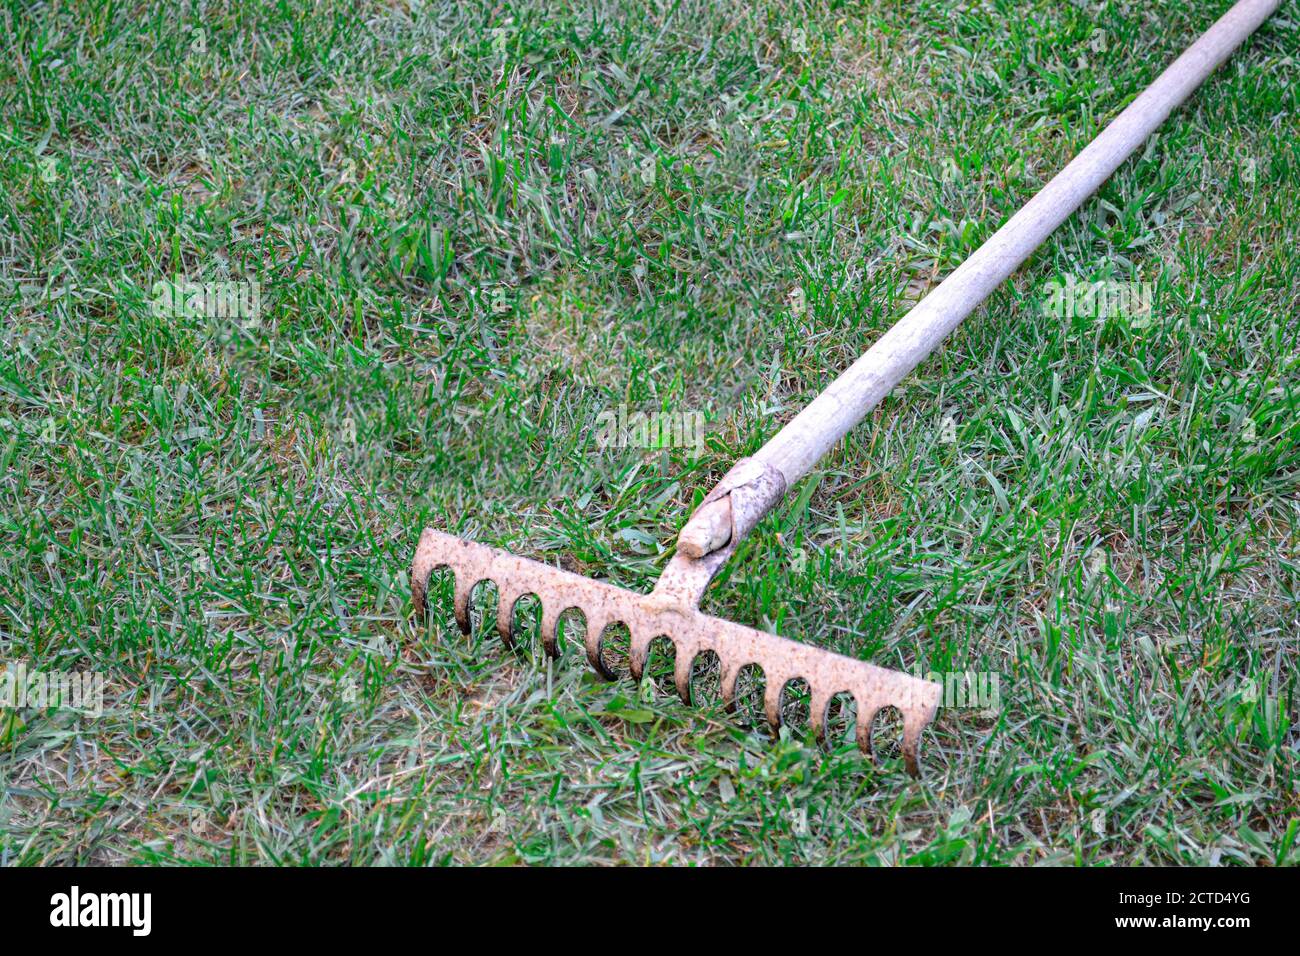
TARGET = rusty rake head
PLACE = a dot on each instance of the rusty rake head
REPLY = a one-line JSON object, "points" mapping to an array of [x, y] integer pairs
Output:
{"points": [[671, 611]]}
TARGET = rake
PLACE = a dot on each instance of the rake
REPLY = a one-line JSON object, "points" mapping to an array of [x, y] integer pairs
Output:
{"points": [[754, 485]]}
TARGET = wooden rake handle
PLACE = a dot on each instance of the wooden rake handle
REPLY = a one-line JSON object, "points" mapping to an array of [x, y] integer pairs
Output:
{"points": [[798, 446]]}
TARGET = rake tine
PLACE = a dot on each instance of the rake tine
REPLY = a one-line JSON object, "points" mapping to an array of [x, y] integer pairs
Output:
{"points": [[638, 654], [550, 630], [594, 642], [866, 720], [912, 742], [818, 712], [772, 704], [683, 664], [461, 604], [730, 677], [506, 617]]}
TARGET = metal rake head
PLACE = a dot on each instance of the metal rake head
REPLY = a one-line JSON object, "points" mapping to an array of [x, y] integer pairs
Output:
{"points": [[671, 611]]}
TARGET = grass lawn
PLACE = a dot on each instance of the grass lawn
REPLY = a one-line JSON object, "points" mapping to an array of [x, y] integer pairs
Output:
{"points": [[474, 228]]}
